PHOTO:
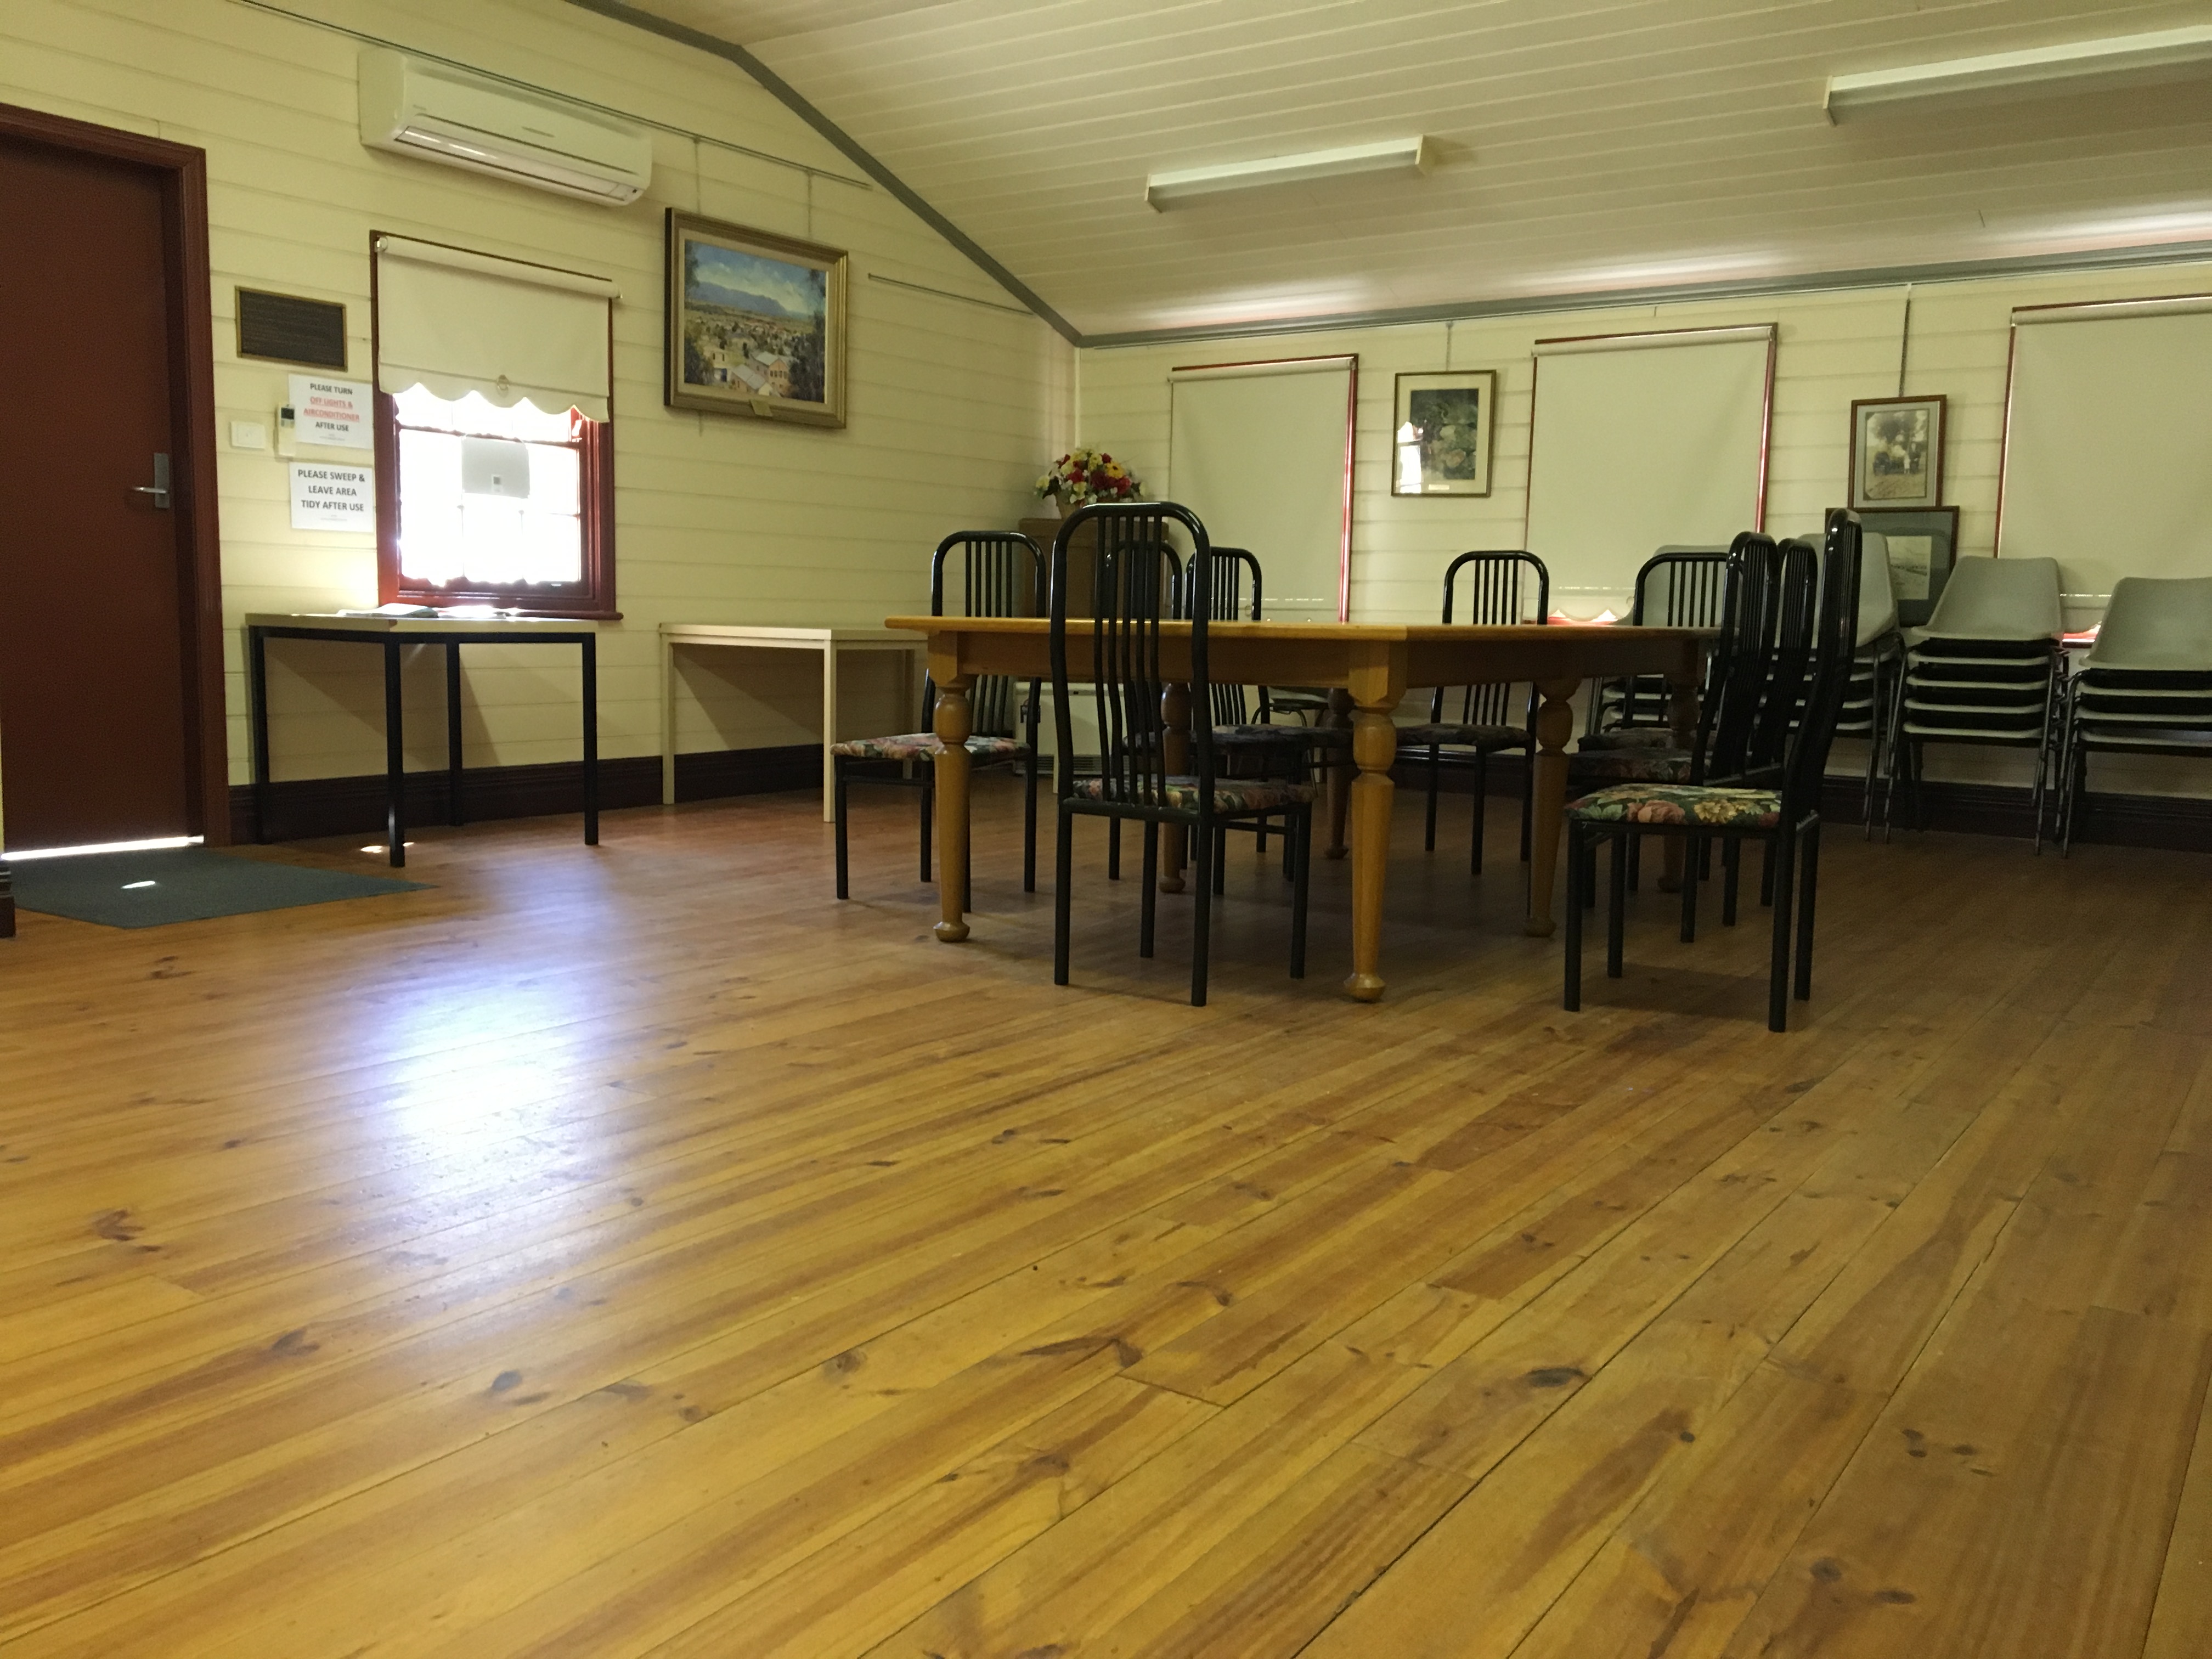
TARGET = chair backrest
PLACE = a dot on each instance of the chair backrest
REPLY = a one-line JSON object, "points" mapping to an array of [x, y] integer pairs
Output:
{"points": [[2156, 625], [1790, 652], [1681, 588], [1494, 590], [1877, 593], [1739, 667], [1234, 569], [1677, 587], [1002, 573], [1835, 643], [1138, 584], [2000, 599]]}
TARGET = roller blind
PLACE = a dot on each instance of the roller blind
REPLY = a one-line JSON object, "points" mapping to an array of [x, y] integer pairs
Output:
{"points": [[1640, 441], [1260, 452], [457, 322], [2107, 443]]}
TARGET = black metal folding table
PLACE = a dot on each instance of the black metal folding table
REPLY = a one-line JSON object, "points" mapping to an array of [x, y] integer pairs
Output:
{"points": [[393, 634]]}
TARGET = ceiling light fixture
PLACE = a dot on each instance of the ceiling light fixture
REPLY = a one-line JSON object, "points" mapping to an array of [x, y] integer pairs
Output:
{"points": [[1395, 155], [2078, 66]]}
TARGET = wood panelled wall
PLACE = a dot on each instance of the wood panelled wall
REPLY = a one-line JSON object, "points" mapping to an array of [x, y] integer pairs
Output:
{"points": [[954, 401], [1832, 348]]}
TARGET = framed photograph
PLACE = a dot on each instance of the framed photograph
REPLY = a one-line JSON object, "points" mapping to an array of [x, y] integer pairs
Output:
{"points": [[1442, 446], [1897, 452], [756, 322], [1922, 546]]}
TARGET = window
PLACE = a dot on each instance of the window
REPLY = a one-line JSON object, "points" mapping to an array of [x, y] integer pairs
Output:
{"points": [[494, 447]]}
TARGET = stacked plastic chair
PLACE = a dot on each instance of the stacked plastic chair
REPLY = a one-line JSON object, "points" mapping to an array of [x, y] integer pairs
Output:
{"points": [[1987, 669], [2146, 686], [1869, 700]]}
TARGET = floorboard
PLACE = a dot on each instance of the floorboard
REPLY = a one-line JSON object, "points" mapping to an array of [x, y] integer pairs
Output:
{"points": [[637, 1251]]}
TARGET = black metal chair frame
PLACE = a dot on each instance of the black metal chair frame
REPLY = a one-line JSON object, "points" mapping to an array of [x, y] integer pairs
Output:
{"points": [[1499, 585], [1732, 702], [1134, 593], [992, 568], [1694, 596], [1231, 708], [1797, 828]]}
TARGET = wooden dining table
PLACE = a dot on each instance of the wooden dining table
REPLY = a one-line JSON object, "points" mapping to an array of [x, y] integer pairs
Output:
{"points": [[1367, 668]]}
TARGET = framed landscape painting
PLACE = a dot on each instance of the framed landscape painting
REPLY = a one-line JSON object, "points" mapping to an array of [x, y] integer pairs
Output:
{"points": [[1897, 452], [756, 322], [1442, 425]]}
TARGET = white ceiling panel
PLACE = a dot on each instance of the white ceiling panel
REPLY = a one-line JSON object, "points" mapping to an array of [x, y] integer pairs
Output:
{"points": [[1585, 144]]}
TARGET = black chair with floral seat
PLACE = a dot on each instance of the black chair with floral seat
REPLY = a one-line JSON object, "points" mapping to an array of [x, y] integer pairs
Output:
{"points": [[1782, 811], [1288, 751], [1002, 574], [1124, 650], [1501, 589]]}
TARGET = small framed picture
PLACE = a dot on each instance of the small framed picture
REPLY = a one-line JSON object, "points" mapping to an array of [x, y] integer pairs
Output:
{"points": [[756, 322], [1897, 452], [1443, 422], [1921, 546]]}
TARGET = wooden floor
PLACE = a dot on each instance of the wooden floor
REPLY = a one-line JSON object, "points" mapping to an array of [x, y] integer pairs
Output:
{"points": [[637, 1252]]}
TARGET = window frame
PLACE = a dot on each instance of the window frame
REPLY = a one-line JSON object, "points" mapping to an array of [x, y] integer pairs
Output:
{"points": [[592, 599]]}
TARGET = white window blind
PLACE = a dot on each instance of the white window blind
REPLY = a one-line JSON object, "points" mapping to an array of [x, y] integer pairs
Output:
{"points": [[1641, 442], [457, 322], [1260, 452], [2108, 442]]}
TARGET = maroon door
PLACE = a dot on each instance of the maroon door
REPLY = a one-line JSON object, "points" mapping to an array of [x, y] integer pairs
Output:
{"points": [[92, 715]]}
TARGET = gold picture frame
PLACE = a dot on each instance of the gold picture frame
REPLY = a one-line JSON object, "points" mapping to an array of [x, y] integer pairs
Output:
{"points": [[1441, 430], [755, 323]]}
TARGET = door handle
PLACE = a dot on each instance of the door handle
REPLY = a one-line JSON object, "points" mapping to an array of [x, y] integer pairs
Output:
{"points": [[158, 489]]}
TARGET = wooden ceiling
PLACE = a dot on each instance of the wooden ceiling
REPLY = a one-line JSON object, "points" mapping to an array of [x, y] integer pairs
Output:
{"points": [[1586, 145]]}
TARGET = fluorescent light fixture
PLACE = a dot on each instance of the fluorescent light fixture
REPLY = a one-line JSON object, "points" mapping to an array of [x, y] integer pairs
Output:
{"points": [[13, 857], [1395, 155], [2080, 65]]}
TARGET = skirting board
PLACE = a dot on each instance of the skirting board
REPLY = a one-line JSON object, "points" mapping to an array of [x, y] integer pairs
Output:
{"points": [[2179, 824], [7, 905], [303, 808]]}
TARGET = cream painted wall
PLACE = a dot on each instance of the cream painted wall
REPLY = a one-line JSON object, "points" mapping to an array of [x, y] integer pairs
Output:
{"points": [[1832, 348], [954, 405]]}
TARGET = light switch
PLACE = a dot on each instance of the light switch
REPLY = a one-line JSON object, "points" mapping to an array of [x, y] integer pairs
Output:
{"points": [[248, 435]]}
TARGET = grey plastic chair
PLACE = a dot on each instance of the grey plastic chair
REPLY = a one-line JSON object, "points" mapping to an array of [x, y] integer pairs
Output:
{"points": [[1986, 670], [1876, 668], [2146, 688]]}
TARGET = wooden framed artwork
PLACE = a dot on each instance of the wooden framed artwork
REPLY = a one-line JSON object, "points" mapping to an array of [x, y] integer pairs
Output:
{"points": [[1923, 545], [756, 322], [1442, 424], [1897, 452]]}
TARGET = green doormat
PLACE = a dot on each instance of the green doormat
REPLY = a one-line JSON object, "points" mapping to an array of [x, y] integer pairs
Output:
{"points": [[181, 883]]}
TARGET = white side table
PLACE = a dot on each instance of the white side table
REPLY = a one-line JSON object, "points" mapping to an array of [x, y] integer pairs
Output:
{"points": [[833, 643]]}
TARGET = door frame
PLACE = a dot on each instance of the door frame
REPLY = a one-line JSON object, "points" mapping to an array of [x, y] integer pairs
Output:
{"points": [[182, 172]]}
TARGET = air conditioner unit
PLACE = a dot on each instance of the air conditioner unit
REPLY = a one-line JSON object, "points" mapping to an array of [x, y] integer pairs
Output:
{"points": [[441, 114]]}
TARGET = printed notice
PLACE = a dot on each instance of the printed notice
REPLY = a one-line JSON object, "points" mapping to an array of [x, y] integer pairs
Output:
{"points": [[333, 497], [332, 413]]}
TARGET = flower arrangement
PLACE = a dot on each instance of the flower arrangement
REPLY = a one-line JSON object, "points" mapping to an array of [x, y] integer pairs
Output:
{"points": [[1083, 476]]}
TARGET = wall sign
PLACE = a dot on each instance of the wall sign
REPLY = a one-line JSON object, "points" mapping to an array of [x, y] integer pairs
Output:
{"points": [[333, 497], [287, 328], [332, 413]]}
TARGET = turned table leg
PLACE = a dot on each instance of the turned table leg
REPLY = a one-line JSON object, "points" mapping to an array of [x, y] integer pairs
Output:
{"points": [[952, 724], [1555, 723], [1374, 748]]}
